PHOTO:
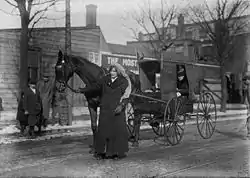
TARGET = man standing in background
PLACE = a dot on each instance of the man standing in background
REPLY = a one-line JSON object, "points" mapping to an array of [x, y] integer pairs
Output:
{"points": [[245, 90], [46, 88]]}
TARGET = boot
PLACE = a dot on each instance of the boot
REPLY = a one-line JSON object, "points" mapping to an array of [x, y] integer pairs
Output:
{"points": [[45, 122], [22, 130], [31, 132]]}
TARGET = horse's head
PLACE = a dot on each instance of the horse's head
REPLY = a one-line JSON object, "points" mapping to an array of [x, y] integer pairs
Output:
{"points": [[64, 69]]}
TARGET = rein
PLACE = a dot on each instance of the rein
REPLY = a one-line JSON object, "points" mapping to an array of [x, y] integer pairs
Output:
{"points": [[73, 69]]}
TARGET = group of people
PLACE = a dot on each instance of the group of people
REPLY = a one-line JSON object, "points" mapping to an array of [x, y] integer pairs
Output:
{"points": [[34, 105], [112, 136]]}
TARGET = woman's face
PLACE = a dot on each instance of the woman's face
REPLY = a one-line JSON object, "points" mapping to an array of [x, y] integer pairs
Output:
{"points": [[181, 78], [113, 73]]}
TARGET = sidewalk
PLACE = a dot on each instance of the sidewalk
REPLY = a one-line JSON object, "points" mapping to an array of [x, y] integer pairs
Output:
{"points": [[9, 134]]}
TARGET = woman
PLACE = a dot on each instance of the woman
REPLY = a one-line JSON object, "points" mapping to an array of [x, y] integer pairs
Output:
{"points": [[112, 136]]}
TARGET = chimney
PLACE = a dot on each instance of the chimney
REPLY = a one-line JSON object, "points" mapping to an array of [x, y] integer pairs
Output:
{"points": [[180, 27], [91, 15]]}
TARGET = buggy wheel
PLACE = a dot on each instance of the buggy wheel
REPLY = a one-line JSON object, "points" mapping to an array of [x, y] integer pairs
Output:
{"points": [[174, 121], [130, 120], [206, 115]]}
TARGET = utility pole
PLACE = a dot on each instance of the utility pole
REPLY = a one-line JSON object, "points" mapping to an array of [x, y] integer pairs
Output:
{"points": [[68, 52]]}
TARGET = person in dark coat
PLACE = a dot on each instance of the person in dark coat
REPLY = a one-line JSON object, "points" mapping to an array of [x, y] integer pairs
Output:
{"points": [[245, 90], [32, 106], [182, 82], [21, 117], [112, 134], [46, 90]]}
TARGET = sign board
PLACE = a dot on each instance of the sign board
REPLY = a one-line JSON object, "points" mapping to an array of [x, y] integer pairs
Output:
{"points": [[128, 62]]}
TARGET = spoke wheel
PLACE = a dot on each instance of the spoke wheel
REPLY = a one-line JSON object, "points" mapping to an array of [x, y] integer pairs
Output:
{"points": [[130, 120], [174, 121], [206, 115]]}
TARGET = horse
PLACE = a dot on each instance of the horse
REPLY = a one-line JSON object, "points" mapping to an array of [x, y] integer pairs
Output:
{"points": [[89, 73]]}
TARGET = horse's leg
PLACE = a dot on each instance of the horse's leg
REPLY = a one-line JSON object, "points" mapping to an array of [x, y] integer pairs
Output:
{"points": [[137, 129], [93, 117]]}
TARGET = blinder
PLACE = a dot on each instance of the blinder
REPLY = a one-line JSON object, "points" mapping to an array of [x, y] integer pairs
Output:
{"points": [[60, 71]]}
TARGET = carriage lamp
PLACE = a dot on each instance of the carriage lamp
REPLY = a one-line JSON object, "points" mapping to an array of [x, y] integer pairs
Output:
{"points": [[63, 61]]}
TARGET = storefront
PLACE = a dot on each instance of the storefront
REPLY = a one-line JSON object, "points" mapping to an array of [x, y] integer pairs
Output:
{"points": [[128, 62]]}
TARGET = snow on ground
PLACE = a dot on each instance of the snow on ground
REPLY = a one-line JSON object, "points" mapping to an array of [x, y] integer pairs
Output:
{"points": [[14, 139], [9, 130]]}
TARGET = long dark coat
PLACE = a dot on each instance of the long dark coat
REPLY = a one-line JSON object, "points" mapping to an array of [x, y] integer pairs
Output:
{"points": [[112, 130], [32, 103], [21, 117], [46, 90]]}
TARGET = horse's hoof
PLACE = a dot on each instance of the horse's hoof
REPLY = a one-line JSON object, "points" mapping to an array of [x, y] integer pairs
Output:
{"points": [[135, 144]]}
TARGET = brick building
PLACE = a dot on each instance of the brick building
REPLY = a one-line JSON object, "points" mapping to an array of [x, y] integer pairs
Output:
{"points": [[183, 35]]}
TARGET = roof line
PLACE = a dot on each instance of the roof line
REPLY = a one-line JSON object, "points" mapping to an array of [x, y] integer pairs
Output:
{"points": [[52, 28]]}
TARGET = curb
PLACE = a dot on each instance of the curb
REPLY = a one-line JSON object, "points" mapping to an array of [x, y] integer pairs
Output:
{"points": [[86, 125], [85, 131], [8, 115], [146, 126]]}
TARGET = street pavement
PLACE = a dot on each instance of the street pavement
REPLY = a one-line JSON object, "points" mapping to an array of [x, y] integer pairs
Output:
{"points": [[225, 154]]}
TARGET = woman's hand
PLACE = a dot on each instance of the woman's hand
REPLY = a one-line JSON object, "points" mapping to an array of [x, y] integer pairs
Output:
{"points": [[118, 109]]}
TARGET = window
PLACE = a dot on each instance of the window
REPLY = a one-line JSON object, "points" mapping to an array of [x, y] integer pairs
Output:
{"points": [[94, 58]]}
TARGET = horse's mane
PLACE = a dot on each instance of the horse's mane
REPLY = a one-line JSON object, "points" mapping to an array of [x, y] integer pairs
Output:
{"points": [[84, 60]]}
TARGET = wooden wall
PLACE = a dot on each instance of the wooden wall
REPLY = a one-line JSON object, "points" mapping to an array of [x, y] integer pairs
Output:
{"points": [[85, 43], [9, 55]]}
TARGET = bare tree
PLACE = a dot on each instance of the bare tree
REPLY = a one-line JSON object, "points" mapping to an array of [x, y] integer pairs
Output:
{"points": [[223, 21], [155, 23], [30, 12]]}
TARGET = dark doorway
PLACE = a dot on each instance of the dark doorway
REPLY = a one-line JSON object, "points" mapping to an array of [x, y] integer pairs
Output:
{"points": [[233, 92], [34, 60]]}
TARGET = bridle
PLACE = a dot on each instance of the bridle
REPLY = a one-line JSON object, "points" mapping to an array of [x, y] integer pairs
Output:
{"points": [[62, 68], [72, 68]]}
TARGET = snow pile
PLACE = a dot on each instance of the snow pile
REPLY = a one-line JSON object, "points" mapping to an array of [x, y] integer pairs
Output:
{"points": [[8, 140], [9, 130], [75, 124]]}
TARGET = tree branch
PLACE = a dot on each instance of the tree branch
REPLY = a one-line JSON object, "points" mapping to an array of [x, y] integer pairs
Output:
{"points": [[227, 20], [11, 3], [50, 4], [158, 20], [12, 14]]}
